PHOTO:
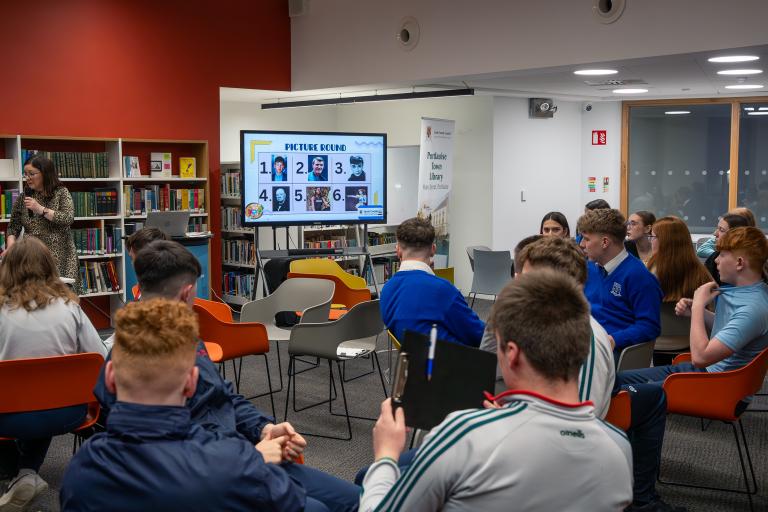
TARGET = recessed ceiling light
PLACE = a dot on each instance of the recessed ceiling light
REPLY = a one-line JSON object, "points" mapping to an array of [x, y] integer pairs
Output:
{"points": [[749, 108], [757, 114], [734, 58], [744, 86], [629, 91], [677, 112], [595, 72], [762, 108], [740, 72]]}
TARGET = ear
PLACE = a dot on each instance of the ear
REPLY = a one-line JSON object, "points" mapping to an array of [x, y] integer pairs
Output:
{"points": [[187, 294], [109, 378], [741, 264], [398, 251], [432, 250], [190, 385]]}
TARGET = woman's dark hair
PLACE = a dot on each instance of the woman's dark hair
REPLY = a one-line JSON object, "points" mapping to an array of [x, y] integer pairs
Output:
{"points": [[597, 204], [648, 218], [559, 218], [50, 176], [735, 221]]}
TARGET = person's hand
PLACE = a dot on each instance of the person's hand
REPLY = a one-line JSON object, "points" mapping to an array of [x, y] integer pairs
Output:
{"points": [[389, 432], [272, 449], [296, 443], [705, 294], [683, 307], [30, 203]]}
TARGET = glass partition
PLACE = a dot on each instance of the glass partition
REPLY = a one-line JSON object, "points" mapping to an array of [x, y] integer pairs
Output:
{"points": [[753, 160], [679, 162]]}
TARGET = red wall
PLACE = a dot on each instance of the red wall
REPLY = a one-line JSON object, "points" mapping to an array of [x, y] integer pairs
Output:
{"points": [[138, 69]]}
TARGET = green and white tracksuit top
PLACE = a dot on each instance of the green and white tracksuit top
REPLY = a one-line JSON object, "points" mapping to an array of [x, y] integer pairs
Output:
{"points": [[531, 454]]}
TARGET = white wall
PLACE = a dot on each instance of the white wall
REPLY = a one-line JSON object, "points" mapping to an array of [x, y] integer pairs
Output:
{"points": [[541, 157], [350, 42], [601, 161]]}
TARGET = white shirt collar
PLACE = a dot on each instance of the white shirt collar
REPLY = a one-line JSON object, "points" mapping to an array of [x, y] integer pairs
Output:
{"points": [[415, 265], [616, 261]]}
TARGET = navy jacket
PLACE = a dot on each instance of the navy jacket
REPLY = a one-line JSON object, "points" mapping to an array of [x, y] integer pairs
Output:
{"points": [[155, 458], [215, 405]]}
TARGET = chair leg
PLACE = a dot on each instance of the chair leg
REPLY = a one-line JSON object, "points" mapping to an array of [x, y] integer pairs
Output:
{"points": [[280, 365], [749, 458], [332, 395], [381, 375], [344, 374], [472, 305], [288, 393]]}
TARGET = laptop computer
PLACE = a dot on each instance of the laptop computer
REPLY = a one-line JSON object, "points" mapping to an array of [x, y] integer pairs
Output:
{"points": [[173, 224]]}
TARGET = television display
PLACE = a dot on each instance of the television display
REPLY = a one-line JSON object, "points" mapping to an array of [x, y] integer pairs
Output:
{"points": [[291, 178]]}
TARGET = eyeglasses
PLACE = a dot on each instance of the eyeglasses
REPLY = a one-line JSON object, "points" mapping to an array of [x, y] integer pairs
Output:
{"points": [[632, 223], [28, 175]]}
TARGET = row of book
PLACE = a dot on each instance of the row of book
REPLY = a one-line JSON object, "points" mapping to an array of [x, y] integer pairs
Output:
{"points": [[98, 202], [239, 252], [7, 198], [381, 238], [89, 241], [334, 241], [231, 218], [230, 183], [99, 276], [74, 164], [383, 271], [239, 284], [140, 200]]}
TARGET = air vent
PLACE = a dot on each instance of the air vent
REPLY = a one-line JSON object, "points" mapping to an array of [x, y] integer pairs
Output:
{"points": [[614, 82]]}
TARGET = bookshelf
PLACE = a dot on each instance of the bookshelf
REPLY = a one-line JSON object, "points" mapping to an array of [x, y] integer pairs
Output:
{"points": [[106, 206], [238, 254]]}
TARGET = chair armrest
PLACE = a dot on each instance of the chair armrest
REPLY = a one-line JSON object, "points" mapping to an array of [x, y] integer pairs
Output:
{"points": [[319, 340], [682, 358], [259, 310], [702, 394]]}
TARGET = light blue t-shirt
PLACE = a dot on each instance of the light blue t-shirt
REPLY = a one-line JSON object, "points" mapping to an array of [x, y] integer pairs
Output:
{"points": [[741, 324]]}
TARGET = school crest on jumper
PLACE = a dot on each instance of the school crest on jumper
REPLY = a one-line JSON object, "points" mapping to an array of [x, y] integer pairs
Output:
{"points": [[616, 290]]}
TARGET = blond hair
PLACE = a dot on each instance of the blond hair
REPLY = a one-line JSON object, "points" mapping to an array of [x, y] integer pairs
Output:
{"points": [[556, 253], [155, 343], [29, 278]]}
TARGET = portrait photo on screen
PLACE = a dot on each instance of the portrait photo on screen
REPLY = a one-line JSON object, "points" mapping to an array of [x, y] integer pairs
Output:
{"points": [[356, 168], [318, 168], [356, 196], [317, 199], [279, 168], [281, 199]]}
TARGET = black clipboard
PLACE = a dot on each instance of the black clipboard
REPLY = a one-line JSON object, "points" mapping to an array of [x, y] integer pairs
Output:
{"points": [[460, 376]]}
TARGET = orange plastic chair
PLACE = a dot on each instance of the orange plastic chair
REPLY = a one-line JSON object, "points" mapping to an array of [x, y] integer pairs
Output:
{"points": [[51, 383], [135, 292], [235, 341], [215, 353], [620, 411], [716, 396], [343, 295], [217, 309]]}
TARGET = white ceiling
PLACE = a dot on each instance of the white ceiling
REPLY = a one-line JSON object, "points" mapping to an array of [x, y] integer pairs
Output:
{"points": [[675, 76]]}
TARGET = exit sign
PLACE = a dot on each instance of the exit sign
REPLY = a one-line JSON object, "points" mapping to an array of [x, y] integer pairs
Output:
{"points": [[598, 137]]}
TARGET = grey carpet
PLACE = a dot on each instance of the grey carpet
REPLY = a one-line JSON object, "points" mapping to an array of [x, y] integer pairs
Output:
{"points": [[708, 457]]}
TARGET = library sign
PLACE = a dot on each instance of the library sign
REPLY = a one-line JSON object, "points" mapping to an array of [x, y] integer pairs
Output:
{"points": [[436, 171]]}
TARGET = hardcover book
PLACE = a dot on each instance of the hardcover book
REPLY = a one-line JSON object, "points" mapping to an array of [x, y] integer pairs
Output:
{"points": [[187, 167]]}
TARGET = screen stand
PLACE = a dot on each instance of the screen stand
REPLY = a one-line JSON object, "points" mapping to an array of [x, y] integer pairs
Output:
{"points": [[259, 268], [369, 259]]}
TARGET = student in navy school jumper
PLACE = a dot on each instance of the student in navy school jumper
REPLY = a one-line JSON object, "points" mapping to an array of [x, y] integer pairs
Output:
{"points": [[625, 297], [152, 455], [415, 298], [166, 269]]}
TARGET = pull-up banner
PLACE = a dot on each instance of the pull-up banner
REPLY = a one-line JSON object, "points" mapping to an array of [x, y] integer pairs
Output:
{"points": [[435, 176]]}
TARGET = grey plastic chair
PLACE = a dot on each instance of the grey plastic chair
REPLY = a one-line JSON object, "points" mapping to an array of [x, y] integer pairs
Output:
{"points": [[358, 329], [635, 357], [310, 296], [493, 270], [675, 331], [471, 253]]}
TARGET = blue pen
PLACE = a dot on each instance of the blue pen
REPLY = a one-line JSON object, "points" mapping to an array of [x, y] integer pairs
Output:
{"points": [[431, 356]]}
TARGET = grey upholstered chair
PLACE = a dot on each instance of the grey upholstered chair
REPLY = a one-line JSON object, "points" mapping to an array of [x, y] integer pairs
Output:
{"points": [[635, 357], [493, 270], [311, 297], [351, 336]]}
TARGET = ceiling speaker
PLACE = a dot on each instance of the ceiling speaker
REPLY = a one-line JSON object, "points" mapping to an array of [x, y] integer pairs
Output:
{"points": [[608, 11], [408, 33]]}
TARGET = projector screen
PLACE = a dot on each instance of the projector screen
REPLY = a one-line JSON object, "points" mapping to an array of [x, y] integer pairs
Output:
{"points": [[291, 178]]}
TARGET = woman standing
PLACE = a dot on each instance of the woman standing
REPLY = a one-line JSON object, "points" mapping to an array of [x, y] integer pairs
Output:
{"points": [[674, 261], [46, 211], [638, 228]]}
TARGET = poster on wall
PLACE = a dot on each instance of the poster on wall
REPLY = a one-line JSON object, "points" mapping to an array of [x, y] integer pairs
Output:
{"points": [[435, 175]]}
